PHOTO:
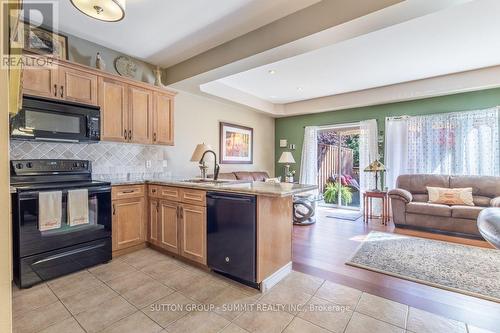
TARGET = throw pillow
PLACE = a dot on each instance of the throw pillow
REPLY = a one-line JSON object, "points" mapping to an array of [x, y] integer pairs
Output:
{"points": [[450, 196]]}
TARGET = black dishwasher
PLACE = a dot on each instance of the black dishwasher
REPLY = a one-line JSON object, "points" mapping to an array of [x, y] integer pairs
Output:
{"points": [[231, 235]]}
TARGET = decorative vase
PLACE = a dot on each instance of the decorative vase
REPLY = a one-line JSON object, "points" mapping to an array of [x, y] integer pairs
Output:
{"points": [[99, 63], [158, 77]]}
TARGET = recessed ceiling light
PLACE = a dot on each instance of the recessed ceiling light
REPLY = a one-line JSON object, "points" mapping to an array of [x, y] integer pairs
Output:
{"points": [[300, 88], [271, 71], [103, 10], [273, 96]]}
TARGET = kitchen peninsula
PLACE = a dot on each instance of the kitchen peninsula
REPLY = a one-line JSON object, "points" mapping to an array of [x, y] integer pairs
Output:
{"points": [[171, 216]]}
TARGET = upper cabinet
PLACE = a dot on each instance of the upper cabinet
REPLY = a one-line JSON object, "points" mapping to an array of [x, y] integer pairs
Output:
{"points": [[131, 111]]}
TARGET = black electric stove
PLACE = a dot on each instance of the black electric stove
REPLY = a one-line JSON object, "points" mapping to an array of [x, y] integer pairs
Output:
{"points": [[43, 255]]}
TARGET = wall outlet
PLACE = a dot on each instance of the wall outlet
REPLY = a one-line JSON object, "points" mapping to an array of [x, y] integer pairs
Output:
{"points": [[148, 164]]}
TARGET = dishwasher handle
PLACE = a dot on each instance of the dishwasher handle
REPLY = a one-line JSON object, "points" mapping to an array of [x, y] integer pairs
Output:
{"points": [[232, 197]]}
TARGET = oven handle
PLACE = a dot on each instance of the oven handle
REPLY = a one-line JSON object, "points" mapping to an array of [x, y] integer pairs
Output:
{"points": [[61, 255], [34, 194]]}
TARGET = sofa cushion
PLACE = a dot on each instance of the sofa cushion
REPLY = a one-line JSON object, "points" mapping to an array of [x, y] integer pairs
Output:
{"points": [[488, 186], [260, 176], [244, 175], [418, 183], [479, 200], [465, 212], [227, 176], [421, 197], [425, 208]]}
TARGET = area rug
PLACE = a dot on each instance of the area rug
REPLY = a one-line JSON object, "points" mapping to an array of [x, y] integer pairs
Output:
{"points": [[465, 269], [344, 215]]}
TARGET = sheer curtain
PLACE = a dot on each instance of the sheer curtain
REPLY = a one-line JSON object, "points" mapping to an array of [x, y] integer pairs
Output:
{"points": [[396, 149], [309, 161], [368, 152], [464, 143]]}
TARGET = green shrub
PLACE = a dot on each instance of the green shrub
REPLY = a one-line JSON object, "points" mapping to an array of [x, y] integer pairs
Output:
{"points": [[331, 193]]}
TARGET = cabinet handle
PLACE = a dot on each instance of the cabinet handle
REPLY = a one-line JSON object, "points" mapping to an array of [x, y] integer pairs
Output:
{"points": [[113, 209], [128, 191], [154, 136], [125, 134], [157, 208], [55, 90], [62, 91], [181, 212], [129, 134], [153, 190]]}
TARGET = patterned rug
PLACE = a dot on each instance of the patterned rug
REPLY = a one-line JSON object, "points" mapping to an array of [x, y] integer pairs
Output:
{"points": [[465, 269]]}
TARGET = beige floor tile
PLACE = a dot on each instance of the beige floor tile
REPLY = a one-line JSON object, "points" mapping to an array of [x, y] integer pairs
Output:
{"points": [[69, 325], [301, 326], [339, 294], [198, 322], [168, 309], [109, 312], [205, 289], [139, 289], [328, 315], [360, 323], [264, 322], [112, 270], [160, 269], [87, 299], [232, 301], [143, 258], [73, 284], [307, 283], [31, 299], [288, 296], [137, 322], [16, 292], [474, 329], [181, 278], [383, 309], [39, 319], [233, 328], [425, 322]]}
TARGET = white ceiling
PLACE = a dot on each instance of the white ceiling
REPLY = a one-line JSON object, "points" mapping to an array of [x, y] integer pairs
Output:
{"points": [[168, 32], [462, 37]]}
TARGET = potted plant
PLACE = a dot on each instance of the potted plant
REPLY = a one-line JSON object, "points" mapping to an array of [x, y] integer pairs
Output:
{"points": [[331, 193]]}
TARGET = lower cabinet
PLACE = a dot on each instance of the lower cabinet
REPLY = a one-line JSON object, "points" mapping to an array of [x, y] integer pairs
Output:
{"points": [[179, 228], [129, 216]]}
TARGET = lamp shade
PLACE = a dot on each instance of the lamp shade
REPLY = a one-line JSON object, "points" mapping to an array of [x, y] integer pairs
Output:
{"points": [[198, 151], [286, 158], [104, 10], [375, 166]]}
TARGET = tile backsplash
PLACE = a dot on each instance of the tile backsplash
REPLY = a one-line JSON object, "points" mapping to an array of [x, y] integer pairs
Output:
{"points": [[118, 160]]}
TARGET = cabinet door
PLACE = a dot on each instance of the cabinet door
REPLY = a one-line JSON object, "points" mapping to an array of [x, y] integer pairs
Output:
{"points": [[153, 225], [114, 109], [40, 81], [193, 233], [163, 120], [169, 226], [77, 86], [140, 113], [128, 223]]}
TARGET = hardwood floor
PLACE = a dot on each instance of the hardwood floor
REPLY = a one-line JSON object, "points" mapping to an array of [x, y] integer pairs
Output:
{"points": [[323, 248]]}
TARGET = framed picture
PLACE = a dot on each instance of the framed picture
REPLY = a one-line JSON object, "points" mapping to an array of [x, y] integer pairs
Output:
{"points": [[45, 42], [236, 144]]}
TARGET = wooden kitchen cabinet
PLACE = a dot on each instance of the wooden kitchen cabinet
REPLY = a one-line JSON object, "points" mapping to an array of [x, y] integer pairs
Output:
{"points": [[128, 218], [193, 233], [40, 81], [169, 225], [153, 222], [114, 105], [140, 115], [163, 119], [77, 86]]}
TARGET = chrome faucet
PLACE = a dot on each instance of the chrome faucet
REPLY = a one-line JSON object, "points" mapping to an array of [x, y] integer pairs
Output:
{"points": [[216, 166]]}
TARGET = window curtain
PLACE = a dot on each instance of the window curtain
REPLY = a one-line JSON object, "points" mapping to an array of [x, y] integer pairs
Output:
{"points": [[464, 143], [368, 152], [309, 161], [396, 149]]}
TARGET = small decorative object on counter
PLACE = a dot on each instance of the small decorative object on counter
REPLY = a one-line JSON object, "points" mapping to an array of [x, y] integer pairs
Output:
{"points": [[158, 82], [289, 177], [99, 63]]}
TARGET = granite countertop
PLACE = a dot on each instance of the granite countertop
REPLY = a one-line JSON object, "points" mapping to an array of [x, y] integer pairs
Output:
{"points": [[257, 188]]}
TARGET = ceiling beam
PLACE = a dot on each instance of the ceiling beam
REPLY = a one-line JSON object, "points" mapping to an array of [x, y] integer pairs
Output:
{"points": [[310, 20]]}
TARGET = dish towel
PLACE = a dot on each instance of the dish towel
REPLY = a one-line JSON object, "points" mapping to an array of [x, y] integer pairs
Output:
{"points": [[49, 210], [78, 207]]}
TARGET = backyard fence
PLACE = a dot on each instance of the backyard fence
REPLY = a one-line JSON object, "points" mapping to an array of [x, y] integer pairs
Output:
{"points": [[329, 163]]}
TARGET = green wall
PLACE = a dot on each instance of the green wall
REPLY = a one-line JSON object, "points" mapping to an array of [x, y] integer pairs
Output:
{"points": [[292, 128]]}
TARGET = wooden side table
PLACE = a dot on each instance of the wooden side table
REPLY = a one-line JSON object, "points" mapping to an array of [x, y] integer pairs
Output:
{"points": [[367, 199]]}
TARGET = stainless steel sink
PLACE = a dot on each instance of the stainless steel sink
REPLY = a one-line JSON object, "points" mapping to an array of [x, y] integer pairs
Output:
{"points": [[204, 181]]}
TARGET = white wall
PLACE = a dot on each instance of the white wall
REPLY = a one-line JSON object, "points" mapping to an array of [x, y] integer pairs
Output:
{"points": [[197, 120]]}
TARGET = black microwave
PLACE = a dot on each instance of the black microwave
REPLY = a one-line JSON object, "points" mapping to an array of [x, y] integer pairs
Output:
{"points": [[49, 120]]}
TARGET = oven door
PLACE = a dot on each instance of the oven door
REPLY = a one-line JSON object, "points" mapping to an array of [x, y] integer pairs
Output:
{"points": [[32, 241]]}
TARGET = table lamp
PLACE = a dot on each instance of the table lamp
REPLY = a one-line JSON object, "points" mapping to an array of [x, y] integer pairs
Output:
{"points": [[286, 158], [376, 167], [197, 154]]}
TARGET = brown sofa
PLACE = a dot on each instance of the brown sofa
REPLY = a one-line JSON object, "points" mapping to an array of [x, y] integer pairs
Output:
{"points": [[258, 176], [411, 209]]}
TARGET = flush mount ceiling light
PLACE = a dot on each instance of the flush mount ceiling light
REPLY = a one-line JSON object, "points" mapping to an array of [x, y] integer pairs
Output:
{"points": [[271, 71], [104, 10]]}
